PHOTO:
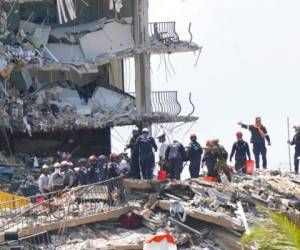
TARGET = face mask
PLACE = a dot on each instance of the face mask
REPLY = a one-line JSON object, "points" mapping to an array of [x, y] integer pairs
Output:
{"points": [[57, 170]]}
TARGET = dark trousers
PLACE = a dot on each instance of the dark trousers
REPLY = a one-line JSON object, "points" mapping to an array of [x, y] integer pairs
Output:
{"points": [[195, 168], [175, 168], [135, 167], [240, 164], [147, 165], [260, 149], [296, 162]]}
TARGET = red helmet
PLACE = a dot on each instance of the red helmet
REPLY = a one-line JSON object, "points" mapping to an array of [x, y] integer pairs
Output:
{"points": [[113, 156], [208, 143], [193, 136], [92, 158], [239, 134]]}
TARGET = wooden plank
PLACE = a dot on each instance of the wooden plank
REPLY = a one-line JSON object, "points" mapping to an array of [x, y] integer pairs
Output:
{"points": [[228, 241], [113, 214], [210, 217]]}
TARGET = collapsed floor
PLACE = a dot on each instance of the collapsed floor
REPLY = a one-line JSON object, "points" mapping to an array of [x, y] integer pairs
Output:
{"points": [[200, 215]]}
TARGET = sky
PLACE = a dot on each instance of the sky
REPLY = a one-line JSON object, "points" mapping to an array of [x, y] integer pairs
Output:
{"points": [[249, 66]]}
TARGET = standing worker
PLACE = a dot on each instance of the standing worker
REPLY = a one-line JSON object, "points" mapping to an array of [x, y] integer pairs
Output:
{"points": [[296, 142], [93, 169], [44, 180], [175, 155], [222, 155], [162, 151], [145, 145], [134, 163], [241, 151], [56, 180], [195, 152], [259, 135], [210, 159]]}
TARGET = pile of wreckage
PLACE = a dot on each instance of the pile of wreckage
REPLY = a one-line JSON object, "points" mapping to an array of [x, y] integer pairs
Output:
{"points": [[197, 213]]}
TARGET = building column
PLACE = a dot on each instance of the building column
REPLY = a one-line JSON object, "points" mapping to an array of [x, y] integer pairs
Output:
{"points": [[142, 61]]}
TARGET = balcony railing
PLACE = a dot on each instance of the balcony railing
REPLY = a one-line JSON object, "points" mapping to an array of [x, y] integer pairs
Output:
{"points": [[164, 102], [164, 32]]}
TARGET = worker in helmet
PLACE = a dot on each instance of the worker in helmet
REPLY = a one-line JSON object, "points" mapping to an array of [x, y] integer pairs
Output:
{"points": [[259, 136], [69, 174], [194, 153], [162, 151], [103, 168], [113, 166], [175, 155], [222, 156], [296, 142], [134, 163], [241, 151], [210, 159], [145, 144], [93, 165], [44, 180], [56, 179], [83, 173]]}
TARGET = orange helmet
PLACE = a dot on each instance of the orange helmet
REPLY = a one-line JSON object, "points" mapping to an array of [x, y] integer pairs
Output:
{"points": [[92, 158]]}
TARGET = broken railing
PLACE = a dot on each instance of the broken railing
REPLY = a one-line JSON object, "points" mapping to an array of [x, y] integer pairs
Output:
{"points": [[164, 32], [164, 102], [78, 202]]}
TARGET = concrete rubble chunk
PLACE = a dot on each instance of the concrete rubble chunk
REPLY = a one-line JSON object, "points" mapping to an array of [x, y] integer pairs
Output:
{"points": [[113, 38]]}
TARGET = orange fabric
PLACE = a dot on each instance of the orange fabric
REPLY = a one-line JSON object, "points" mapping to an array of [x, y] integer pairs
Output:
{"points": [[159, 237], [261, 132]]}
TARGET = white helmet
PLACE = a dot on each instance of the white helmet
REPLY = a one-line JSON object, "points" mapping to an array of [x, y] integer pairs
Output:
{"points": [[57, 165], [145, 130], [45, 166]]}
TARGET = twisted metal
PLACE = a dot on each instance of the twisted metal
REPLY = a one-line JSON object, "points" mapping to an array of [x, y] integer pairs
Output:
{"points": [[67, 204]]}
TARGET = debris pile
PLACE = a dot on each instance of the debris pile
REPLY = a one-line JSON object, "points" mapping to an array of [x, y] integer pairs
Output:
{"points": [[199, 214]]}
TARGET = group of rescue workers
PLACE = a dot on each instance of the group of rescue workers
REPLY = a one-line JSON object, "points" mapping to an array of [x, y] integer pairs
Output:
{"points": [[171, 159]]}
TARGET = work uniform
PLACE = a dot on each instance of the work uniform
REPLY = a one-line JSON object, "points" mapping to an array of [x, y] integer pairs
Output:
{"points": [[161, 154], [134, 163], [194, 154], [210, 160], [258, 138], [144, 146], [44, 183], [175, 155], [296, 142], [56, 181], [83, 177], [221, 164], [69, 178], [240, 150], [93, 174]]}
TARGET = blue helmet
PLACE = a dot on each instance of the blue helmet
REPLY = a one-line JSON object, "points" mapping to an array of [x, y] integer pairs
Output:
{"points": [[101, 158]]}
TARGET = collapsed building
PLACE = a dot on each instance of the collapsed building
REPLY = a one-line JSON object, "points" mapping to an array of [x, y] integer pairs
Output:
{"points": [[62, 73]]}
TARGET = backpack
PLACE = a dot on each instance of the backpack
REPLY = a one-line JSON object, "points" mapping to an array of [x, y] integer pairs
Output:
{"points": [[174, 151]]}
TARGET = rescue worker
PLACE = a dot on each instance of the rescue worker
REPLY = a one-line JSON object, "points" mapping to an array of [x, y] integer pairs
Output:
{"points": [[241, 151], [134, 164], [144, 146], [296, 142], [83, 174], [44, 180], [222, 156], [162, 151], [194, 152], [259, 135], [56, 179], [113, 166], [93, 170], [69, 174], [103, 168], [124, 165], [210, 160], [175, 155]]}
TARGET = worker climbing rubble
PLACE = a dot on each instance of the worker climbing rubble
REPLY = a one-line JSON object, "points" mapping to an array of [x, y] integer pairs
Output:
{"points": [[222, 156], [194, 154], [145, 144], [210, 159], [240, 150], [259, 135], [296, 142], [175, 155]]}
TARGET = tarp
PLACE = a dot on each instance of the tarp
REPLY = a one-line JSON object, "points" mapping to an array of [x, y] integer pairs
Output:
{"points": [[11, 201]]}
